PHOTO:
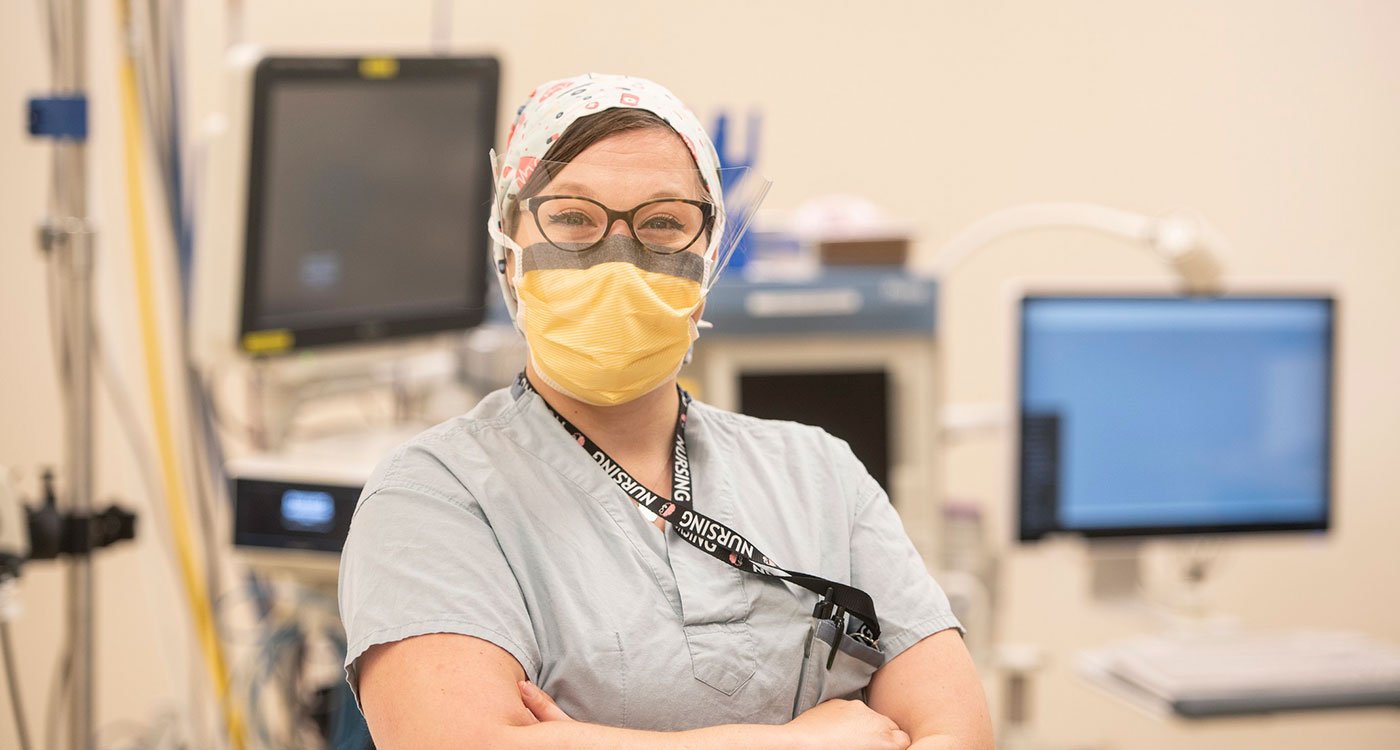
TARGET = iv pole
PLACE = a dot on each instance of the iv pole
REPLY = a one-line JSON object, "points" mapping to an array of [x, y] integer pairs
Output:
{"points": [[66, 236]]}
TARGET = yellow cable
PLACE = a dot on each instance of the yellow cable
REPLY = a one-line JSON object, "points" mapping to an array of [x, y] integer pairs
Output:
{"points": [[171, 480]]}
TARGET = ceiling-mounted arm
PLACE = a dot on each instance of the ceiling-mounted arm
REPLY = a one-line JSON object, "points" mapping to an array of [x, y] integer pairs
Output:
{"points": [[1186, 242]]}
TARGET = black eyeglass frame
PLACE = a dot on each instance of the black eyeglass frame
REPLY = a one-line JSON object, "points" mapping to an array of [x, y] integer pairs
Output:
{"points": [[707, 212]]}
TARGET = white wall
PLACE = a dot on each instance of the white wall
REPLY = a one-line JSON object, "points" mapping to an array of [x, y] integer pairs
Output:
{"points": [[1277, 121]]}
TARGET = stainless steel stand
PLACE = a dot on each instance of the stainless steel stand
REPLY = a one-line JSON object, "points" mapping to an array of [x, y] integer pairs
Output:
{"points": [[68, 238]]}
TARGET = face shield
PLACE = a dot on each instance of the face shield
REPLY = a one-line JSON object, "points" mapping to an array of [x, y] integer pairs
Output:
{"points": [[742, 190]]}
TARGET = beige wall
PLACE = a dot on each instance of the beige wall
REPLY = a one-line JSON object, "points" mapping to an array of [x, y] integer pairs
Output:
{"points": [[1277, 121]]}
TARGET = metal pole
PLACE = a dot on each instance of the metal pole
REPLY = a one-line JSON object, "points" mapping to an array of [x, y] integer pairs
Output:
{"points": [[74, 248]]}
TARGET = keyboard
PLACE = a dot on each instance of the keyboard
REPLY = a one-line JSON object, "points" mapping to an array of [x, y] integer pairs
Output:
{"points": [[1201, 675]]}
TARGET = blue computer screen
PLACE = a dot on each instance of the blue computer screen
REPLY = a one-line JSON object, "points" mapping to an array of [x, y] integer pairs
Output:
{"points": [[1171, 414]]}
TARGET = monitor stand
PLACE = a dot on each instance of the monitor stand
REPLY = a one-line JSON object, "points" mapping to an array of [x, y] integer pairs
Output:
{"points": [[1176, 594], [279, 389], [1115, 571]]}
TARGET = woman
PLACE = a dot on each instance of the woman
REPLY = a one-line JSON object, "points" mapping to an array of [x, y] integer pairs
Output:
{"points": [[589, 559]]}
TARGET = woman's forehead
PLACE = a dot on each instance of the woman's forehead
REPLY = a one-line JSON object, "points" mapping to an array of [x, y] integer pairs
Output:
{"points": [[660, 147], [642, 164]]}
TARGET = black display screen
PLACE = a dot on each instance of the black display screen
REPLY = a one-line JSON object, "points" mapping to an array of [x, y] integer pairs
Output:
{"points": [[285, 515], [368, 198], [853, 406]]}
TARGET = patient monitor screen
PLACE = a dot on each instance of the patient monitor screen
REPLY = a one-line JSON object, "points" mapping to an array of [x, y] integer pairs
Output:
{"points": [[1174, 415], [368, 204]]}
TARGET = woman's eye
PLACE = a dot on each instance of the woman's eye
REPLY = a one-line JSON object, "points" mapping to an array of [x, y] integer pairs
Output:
{"points": [[662, 222], [571, 218]]}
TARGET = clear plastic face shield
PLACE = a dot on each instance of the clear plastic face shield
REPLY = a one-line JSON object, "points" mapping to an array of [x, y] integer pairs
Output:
{"points": [[624, 207]]}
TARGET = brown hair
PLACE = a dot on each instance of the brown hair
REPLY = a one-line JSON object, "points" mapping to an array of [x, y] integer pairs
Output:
{"points": [[576, 138]]}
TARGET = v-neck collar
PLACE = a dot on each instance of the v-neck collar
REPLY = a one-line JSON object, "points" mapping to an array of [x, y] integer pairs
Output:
{"points": [[699, 588], [536, 430]]}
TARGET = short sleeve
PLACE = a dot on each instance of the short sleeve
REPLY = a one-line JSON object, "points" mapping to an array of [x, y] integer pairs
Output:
{"points": [[418, 561], [910, 604]]}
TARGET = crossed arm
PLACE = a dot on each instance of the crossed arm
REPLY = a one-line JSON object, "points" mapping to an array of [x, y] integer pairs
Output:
{"points": [[932, 691], [455, 691]]}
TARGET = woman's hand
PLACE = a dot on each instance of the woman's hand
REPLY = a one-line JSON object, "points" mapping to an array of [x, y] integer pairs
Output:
{"points": [[848, 725], [539, 703]]}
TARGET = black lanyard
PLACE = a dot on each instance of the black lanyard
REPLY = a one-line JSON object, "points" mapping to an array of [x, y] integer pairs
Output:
{"points": [[711, 536]]}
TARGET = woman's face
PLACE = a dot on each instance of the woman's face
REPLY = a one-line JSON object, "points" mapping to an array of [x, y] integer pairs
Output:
{"points": [[621, 171]]}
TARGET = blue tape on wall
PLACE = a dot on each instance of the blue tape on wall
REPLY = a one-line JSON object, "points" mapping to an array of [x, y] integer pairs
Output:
{"points": [[63, 117]]}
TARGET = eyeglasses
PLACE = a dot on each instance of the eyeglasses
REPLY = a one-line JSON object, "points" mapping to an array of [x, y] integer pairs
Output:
{"points": [[664, 225]]}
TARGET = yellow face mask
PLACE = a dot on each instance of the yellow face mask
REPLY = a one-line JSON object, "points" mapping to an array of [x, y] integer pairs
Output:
{"points": [[610, 324]]}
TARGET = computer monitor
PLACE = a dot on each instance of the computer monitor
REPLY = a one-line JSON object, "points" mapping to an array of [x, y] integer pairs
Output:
{"points": [[362, 189], [1168, 415]]}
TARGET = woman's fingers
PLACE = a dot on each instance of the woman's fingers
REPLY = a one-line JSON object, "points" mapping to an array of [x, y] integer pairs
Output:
{"points": [[540, 704]]}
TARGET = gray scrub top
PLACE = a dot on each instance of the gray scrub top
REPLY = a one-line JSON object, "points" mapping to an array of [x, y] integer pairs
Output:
{"points": [[498, 525]]}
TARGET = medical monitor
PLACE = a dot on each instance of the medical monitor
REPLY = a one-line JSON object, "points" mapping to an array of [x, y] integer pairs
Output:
{"points": [[1169, 415], [367, 195]]}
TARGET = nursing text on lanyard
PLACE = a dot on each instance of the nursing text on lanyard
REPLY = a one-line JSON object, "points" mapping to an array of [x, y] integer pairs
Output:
{"points": [[716, 539]]}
